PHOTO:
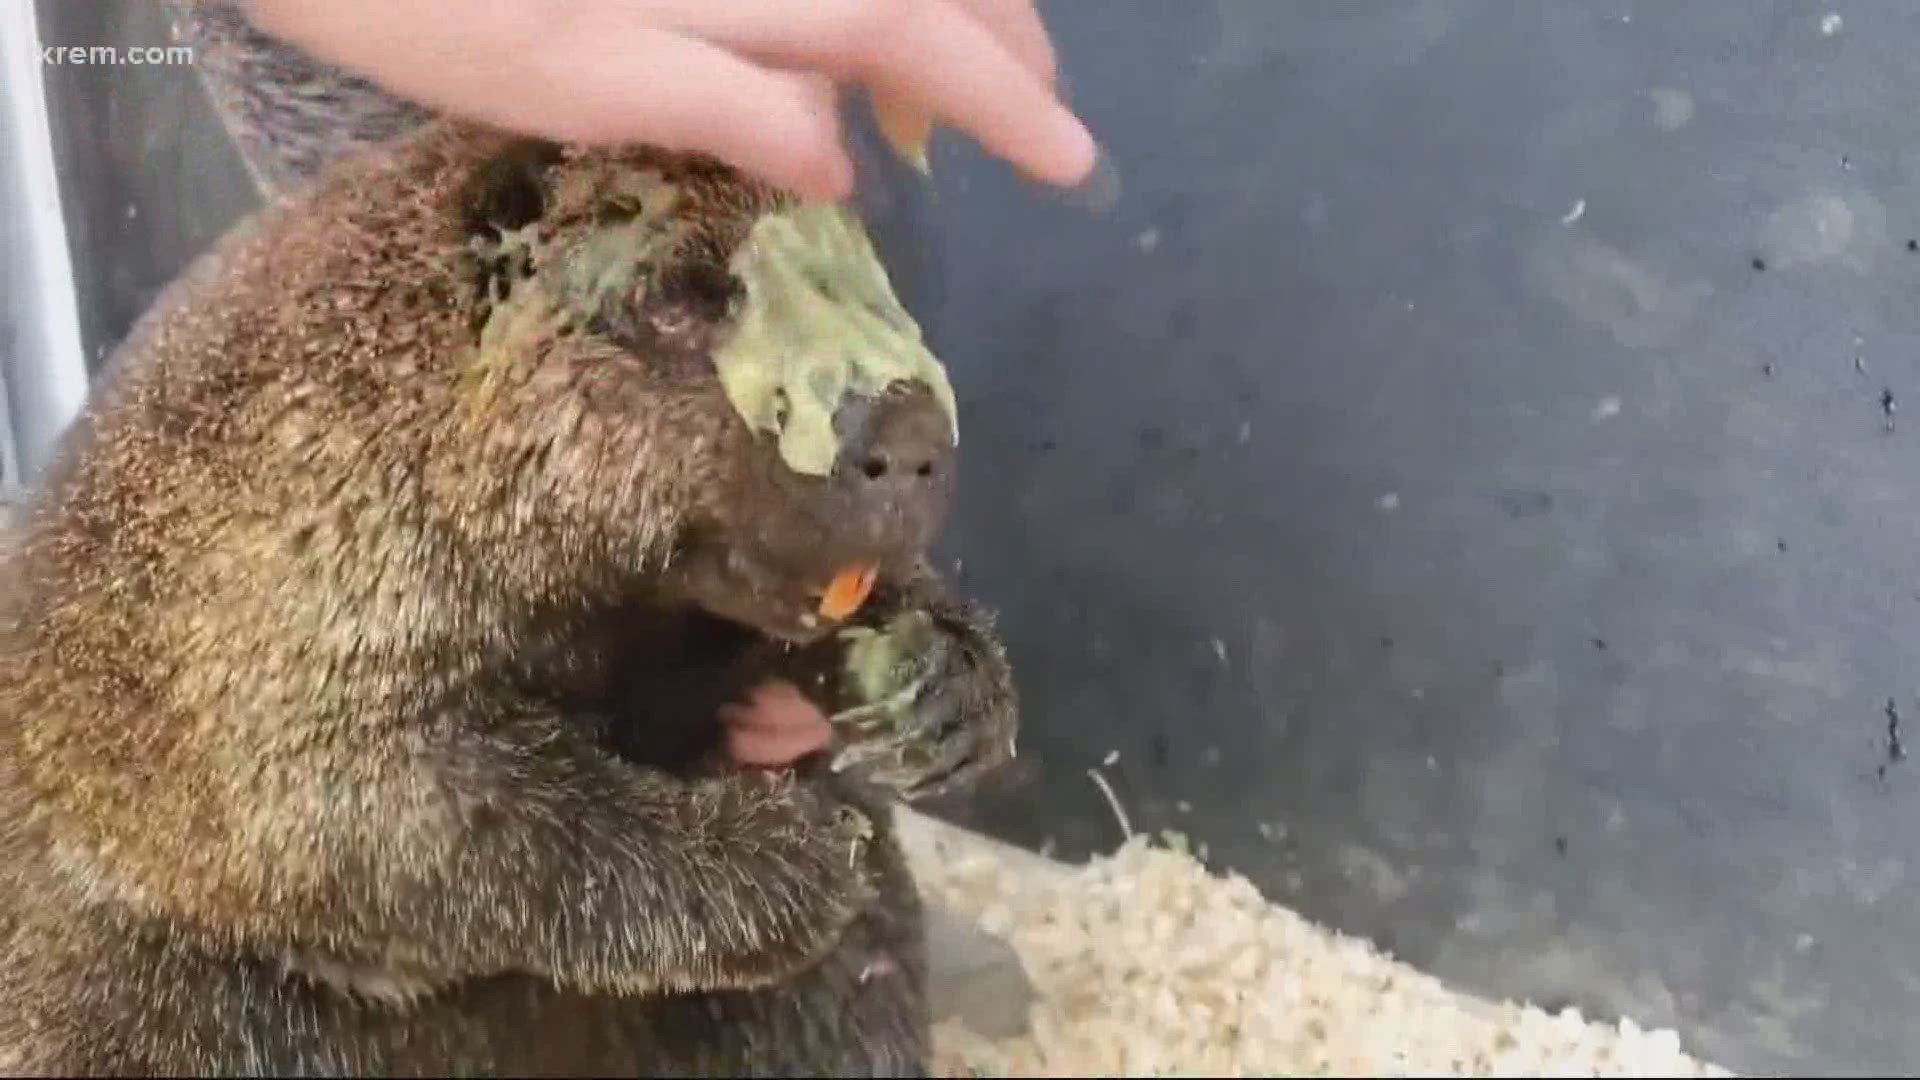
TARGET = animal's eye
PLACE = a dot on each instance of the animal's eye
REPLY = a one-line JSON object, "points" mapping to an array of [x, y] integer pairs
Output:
{"points": [[706, 292], [672, 322], [505, 192]]}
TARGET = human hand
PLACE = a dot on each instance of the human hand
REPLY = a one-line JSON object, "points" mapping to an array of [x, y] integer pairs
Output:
{"points": [[752, 82], [774, 728]]}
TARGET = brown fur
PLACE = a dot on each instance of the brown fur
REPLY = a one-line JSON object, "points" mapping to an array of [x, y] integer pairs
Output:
{"points": [[355, 722]]}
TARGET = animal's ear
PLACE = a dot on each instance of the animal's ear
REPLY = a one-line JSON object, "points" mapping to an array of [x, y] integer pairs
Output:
{"points": [[507, 189]]}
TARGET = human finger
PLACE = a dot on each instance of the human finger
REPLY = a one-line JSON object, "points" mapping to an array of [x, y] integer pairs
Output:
{"points": [[928, 51], [776, 727], [593, 73], [1017, 26]]}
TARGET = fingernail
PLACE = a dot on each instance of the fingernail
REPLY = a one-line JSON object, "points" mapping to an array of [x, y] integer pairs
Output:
{"points": [[828, 179], [840, 176], [1099, 190]]}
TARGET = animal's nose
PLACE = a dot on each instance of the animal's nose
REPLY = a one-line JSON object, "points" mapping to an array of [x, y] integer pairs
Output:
{"points": [[895, 466], [900, 443]]}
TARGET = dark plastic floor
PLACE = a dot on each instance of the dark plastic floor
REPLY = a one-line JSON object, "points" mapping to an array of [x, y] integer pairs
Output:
{"points": [[1464, 483]]}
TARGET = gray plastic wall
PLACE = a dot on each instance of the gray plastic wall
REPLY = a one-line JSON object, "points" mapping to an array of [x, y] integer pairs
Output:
{"points": [[1465, 483]]}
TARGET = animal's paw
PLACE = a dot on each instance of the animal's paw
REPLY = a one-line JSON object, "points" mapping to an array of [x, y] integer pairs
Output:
{"points": [[925, 705], [780, 868]]}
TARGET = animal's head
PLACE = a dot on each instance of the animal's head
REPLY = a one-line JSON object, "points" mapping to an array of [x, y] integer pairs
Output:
{"points": [[677, 376]]}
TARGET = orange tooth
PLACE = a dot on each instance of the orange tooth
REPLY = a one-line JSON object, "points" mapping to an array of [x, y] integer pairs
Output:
{"points": [[847, 591]]}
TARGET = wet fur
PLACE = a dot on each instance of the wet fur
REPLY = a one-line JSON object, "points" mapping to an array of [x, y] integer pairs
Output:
{"points": [[346, 734]]}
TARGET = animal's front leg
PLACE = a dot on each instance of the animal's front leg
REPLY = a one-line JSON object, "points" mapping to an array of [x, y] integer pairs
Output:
{"points": [[918, 690], [511, 842]]}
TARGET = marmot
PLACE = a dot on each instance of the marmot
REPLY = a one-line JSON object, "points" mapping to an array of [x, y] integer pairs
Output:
{"points": [[362, 660]]}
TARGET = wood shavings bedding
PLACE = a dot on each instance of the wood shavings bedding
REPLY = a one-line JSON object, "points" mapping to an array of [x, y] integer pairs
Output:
{"points": [[1145, 964]]}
